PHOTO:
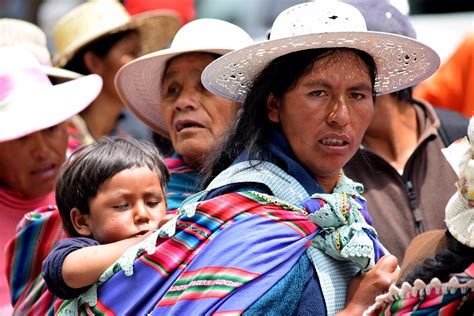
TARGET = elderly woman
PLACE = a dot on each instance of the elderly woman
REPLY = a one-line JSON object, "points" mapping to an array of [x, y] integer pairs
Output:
{"points": [[280, 229], [99, 37], [181, 109], [33, 138]]}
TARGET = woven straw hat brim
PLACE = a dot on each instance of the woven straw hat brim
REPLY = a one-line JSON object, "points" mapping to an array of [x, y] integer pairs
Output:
{"points": [[43, 107], [156, 29], [139, 84], [401, 61]]}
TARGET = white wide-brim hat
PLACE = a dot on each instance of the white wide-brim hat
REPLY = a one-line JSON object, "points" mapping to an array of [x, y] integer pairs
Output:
{"points": [[19, 33], [96, 19], [401, 61], [139, 81], [29, 102]]}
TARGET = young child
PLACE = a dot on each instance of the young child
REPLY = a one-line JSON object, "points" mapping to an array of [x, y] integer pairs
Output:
{"points": [[110, 195]]}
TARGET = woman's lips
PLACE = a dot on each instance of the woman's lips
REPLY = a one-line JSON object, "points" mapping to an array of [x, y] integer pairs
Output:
{"points": [[181, 125], [45, 171]]}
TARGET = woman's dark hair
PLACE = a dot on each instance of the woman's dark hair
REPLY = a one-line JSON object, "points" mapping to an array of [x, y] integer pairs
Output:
{"points": [[455, 258], [252, 127], [99, 47], [90, 166], [405, 95]]}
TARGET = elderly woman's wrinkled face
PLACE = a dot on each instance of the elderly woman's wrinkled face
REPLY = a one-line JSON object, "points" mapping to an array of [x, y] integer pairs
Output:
{"points": [[30, 165], [324, 116], [195, 118]]}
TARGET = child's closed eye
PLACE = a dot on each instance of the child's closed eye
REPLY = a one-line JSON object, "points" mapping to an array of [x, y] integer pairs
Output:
{"points": [[153, 203], [121, 206]]}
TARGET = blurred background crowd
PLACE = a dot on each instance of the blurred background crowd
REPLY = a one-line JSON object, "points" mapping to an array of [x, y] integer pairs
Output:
{"points": [[438, 23]]}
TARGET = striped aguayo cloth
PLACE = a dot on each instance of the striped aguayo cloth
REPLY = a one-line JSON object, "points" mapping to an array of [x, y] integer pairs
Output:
{"points": [[204, 267]]}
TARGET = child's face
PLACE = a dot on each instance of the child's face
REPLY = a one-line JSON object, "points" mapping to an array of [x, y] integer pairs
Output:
{"points": [[130, 203]]}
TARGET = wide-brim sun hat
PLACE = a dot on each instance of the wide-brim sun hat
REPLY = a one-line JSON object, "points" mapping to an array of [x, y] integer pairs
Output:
{"points": [[139, 81], [29, 102], [95, 19], [19, 33], [401, 61]]}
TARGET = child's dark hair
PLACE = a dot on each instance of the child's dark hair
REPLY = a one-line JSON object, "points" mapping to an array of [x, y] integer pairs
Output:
{"points": [[90, 166]]}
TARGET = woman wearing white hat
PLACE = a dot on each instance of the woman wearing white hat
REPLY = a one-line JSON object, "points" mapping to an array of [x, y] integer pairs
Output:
{"points": [[33, 137], [98, 37], [280, 230], [164, 90]]}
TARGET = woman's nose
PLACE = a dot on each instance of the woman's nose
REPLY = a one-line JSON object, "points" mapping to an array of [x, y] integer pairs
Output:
{"points": [[339, 114], [187, 100], [39, 144]]}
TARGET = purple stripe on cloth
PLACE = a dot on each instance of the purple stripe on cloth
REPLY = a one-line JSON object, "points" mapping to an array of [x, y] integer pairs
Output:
{"points": [[9, 82], [270, 249]]}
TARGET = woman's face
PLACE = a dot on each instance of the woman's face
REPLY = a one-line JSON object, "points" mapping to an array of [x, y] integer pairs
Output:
{"points": [[326, 113], [30, 165], [125, 50], [195, 118]]}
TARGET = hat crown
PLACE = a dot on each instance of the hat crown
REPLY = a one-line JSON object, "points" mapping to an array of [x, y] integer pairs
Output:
{"points": [[317, 17], [24, 34], [88, 21], [13, 59], [204, 34], [20, 73]]}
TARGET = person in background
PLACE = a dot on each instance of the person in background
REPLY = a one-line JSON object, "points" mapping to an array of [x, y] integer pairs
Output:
{"points": [[405, 175], [33, 138], [251, 242], [451, 86], [181, 109], [18, 33], [437, 275], [99, 37], [111, 196]]}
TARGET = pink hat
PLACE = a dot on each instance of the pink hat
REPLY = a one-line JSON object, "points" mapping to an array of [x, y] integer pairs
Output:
{"points": [[29, 102]]}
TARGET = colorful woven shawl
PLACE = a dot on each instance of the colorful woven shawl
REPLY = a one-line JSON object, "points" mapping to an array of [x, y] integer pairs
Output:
{"points": [[204, 267], [182, 182], [37, 233], [433, 299]]}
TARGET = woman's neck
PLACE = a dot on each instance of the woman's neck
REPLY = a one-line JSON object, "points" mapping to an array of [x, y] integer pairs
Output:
{"points": [[393, 133], [102, 115]]}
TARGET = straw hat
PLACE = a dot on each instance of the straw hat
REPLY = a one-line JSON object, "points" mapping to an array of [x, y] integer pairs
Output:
{"points": [[139, 81], [18, 33], [401, 61], [93, 20], [29, 102]]}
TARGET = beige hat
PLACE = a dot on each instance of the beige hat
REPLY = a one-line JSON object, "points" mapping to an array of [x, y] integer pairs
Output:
{"points": [[139, 81], [18, 33], [98, 18], [401, 61]]}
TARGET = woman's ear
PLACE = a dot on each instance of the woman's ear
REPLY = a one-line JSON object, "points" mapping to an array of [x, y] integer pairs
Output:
{"points": [[273, 108], [93, 63], [80, 222]]}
